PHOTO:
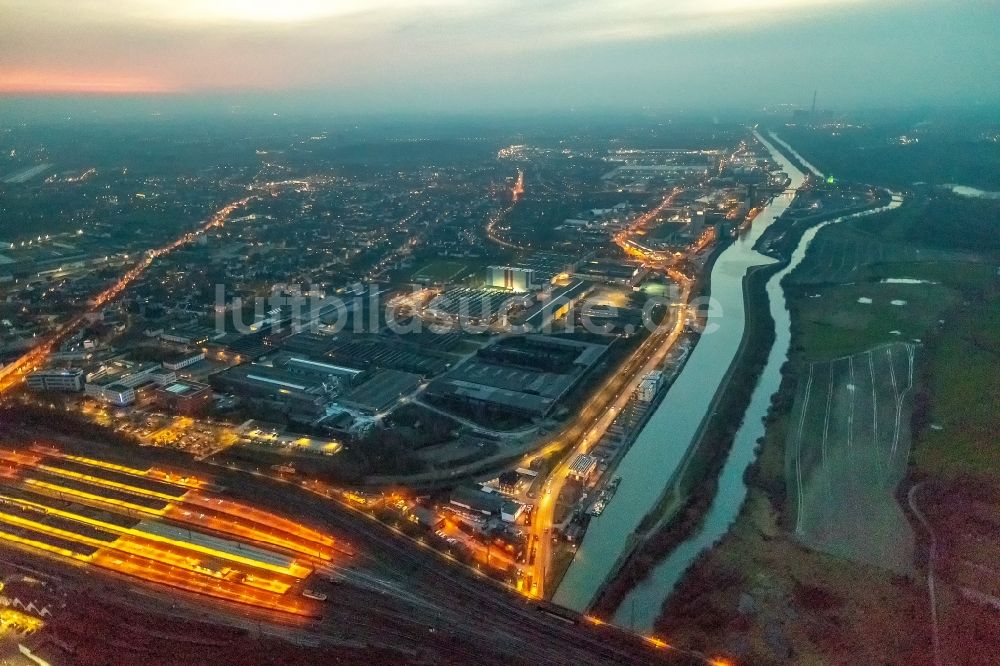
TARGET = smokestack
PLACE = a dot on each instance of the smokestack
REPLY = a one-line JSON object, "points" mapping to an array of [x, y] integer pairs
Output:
{"points": [[813, 113]]}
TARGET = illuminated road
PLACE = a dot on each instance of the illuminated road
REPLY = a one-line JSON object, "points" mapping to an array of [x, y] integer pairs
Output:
{"points": [[400, 251], [594, 421], [634, 249], [13, 373], [604, 406], [515, 196], [518, 187]]}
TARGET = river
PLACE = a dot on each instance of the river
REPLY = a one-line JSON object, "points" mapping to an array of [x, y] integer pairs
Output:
{"points": [[972, 192], [652, 460], [641, 607]]}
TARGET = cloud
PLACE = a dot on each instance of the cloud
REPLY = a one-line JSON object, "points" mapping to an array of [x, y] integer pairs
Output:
{"points": [[475, 50]]}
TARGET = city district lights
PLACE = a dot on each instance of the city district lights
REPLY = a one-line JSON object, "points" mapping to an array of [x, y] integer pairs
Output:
{"points": [[13, 373], [159, 526]]}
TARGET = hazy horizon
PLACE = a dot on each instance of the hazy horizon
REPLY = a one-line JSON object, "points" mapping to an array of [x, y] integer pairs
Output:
{"points": [[456, 57]]}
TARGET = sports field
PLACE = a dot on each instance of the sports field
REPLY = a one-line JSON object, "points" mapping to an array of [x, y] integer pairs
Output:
{"points": [[847, 450], [440, 271]]}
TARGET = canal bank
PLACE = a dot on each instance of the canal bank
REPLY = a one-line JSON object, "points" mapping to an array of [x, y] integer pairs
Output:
{"points": [[640, 608], [682, 507], [684, 503], [663, 446]]}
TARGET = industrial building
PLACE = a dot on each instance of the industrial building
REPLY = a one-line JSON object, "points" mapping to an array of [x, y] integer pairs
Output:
{"points": [[381, 391], [474, 306], [511, 278], [309, 343], [476, 502], [547, 265], [549, 310], [395, 353], [583, 467], [193, 335], [325, 372], [183, 360], [525, 375], [275, 388]]}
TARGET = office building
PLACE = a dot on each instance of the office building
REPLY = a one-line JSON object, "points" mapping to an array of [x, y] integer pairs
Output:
{"points": [[66, 380], [183, 397]]}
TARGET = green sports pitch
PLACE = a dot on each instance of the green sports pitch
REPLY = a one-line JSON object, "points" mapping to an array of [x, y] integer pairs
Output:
{"points": [[440, 271]]}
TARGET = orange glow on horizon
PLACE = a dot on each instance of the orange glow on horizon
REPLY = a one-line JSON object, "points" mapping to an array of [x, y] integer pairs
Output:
{"points": [[46, 82]]}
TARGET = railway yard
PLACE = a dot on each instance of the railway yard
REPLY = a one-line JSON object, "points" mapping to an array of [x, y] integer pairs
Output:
{"points": [[213, 546], [157, 526]]}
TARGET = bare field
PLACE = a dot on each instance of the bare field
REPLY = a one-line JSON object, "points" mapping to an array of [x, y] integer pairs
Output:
{"points": [[770, 601], [847, 451]]}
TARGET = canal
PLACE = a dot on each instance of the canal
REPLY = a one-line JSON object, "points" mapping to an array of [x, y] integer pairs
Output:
{"points": [[651, 462], [641, 607]]}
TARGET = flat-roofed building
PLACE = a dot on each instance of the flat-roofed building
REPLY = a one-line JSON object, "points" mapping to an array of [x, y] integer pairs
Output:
{"points": [[545, 313], [477, 502], [474, 306], [183, 397], [309, 343], [126, 373], [183, 360], [381, 392], [650, 386], [583, 467], [116, 382], [162, 376], [297, 364], [67, 380], [452, 390], [190, 334], [525, 375], [274, 387], [116, 394]]}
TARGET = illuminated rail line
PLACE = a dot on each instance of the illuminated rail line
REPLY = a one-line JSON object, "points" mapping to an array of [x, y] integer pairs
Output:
{"points": [[135, 554], [149, 563], [252, 514], [156, 572], [154, 473], [109, 483], [237, 527], [124, 540], [151, 524], [213, 513], [205, 546]]}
